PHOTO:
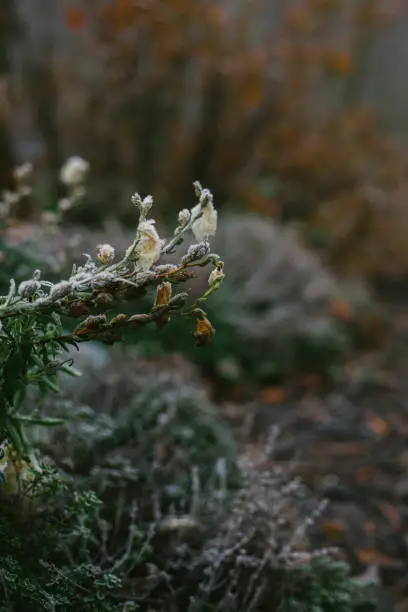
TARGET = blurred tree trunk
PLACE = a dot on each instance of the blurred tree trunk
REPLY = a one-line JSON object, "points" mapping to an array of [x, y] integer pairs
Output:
{"points": [[8, 34], [42, 94]]}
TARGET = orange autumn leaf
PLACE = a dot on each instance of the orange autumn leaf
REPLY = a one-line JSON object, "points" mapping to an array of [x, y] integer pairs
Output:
{"points": [[341, 309], [334, 530], [377, 425], [363, 474], [74, 18], [272, 395], [339, 63], [370, 556]]}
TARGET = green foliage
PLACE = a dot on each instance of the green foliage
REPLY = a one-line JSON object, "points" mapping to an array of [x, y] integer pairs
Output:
{"points": [[49, 551], [32, 334], [146, 431]]}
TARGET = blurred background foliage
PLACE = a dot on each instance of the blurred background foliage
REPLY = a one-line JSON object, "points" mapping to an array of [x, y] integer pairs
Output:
{"points": [[277, 106]]}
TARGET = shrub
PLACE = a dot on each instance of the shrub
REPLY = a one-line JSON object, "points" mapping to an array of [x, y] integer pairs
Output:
{"points": [[31, 315]]}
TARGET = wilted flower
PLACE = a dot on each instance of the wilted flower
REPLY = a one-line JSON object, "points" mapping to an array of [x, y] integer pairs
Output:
{"points": [[148, 247], [105, 253], [206, 225], [204, 331], [74, 171], [163, 295]]}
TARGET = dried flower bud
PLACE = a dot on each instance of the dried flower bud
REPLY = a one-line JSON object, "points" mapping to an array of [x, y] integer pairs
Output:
{"points": [[104, 299], [206, 225], [61, 290], [105, 253], [119, 320], [110, 337], [94, 322], [216, 276], [138, 319], [74, 171], [204, 331], [29, 288], [196, 252], [147, 203], [163, 295], [77, 309], [165, 269], [183, 217]]}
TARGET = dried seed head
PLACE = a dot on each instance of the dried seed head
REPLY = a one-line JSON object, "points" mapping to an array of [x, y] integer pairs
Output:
{"points": [[74, 171], [105, 253]]}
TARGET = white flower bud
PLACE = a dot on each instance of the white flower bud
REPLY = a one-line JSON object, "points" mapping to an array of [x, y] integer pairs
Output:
{"points": [[147, 203], [74, 171], [216, 276], [206, 225], [105, 253], [183, 217]]}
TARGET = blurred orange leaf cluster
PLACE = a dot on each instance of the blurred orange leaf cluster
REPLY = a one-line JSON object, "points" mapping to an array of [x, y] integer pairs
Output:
{"points": [[233, 96]]}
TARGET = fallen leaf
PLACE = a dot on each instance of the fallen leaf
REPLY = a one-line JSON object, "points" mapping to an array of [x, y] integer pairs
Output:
{"points": [[272, 395], [334, 530], [371, 556]]}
